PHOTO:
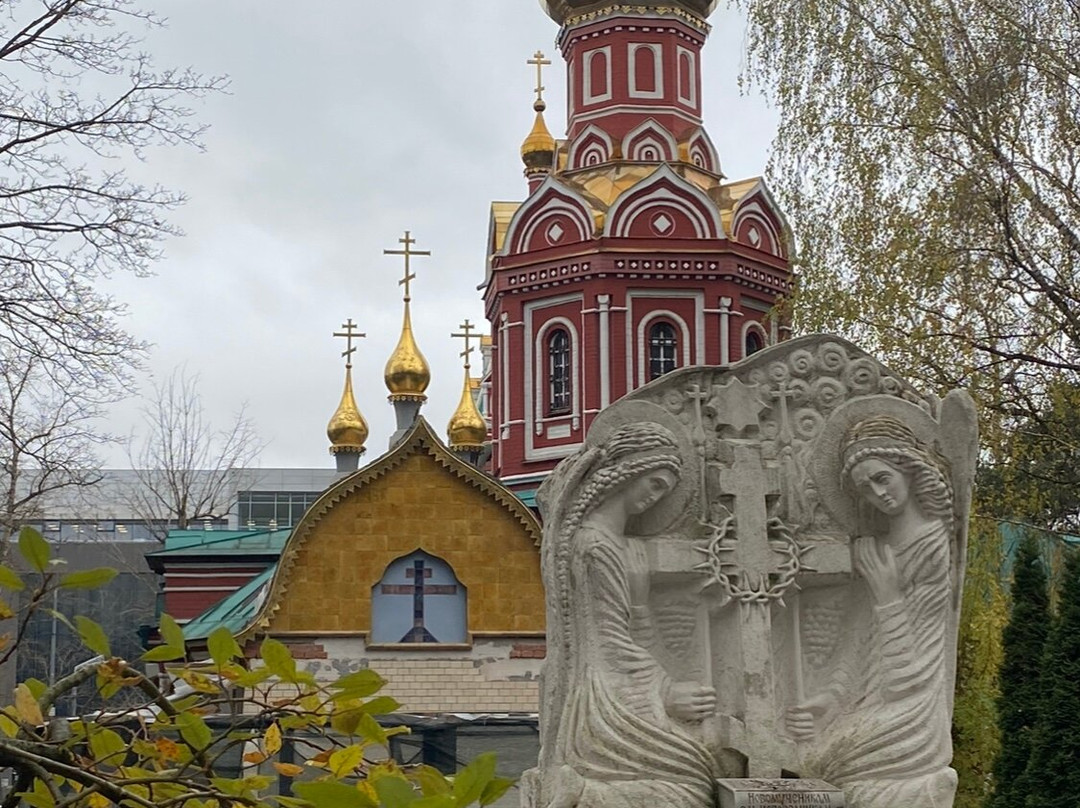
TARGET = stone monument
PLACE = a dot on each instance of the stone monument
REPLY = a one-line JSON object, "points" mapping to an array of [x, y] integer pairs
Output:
{"points": [[755, 572]]}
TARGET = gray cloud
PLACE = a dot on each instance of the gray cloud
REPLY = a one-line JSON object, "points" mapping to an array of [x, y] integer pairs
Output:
{"points": [[345, 125]]}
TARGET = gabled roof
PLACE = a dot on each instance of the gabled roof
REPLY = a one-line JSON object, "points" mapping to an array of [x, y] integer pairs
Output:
{"points": [[234, 612], [217, 543], [421, 439]]}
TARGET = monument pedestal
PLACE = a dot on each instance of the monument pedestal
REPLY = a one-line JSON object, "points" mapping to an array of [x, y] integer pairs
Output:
{"points": [[755, 792]]}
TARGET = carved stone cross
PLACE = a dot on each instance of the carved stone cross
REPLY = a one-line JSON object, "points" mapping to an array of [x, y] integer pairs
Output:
{"points": [[750, 483]]}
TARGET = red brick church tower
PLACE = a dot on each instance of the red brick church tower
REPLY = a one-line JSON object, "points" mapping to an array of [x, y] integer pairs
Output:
{"points": [[632, 255]]}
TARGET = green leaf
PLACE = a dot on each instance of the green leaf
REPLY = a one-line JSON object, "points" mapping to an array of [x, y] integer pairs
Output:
{"points": [[470, 782], [395, 791], [290, 802], [345, 760], [278, 659], [435, 801], [495, 789], [9, 579], [171, 632], [346, 721], [333, 795], [253, 677], [88, 579], [381, 705], [92, 635], [37, 687], [432, 781], [358, 685], [34, 549], [164, 653], [104, 743], [222, 646], [194, 730], [370, 730]]}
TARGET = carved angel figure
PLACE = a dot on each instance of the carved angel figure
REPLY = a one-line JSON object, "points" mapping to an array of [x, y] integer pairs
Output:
{"points": [[614, 724], [881, 729]]}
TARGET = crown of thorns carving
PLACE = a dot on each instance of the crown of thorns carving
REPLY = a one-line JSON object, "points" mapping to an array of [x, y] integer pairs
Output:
{"points": [[762, 588]]}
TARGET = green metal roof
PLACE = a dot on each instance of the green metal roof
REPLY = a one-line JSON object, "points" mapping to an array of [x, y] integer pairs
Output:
{"points": [[223, 542], [235, 612]]}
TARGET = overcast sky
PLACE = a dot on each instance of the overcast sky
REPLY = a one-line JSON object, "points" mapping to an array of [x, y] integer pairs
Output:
{"points": [[346, 124]]}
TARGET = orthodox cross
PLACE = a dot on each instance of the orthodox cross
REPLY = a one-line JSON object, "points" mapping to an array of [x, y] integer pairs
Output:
{"points": [[349, 334], [755, 560], [408, 241], [467, 335], [419, 572], [540, 62]]}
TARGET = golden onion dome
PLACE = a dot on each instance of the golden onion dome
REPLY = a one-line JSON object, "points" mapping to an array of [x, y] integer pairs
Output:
{"points": [[538, 149], [467, 429], [407, 373], [347, 429]]}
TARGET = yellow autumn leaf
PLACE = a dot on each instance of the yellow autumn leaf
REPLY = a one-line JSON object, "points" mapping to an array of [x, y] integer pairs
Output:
{"points": [[272, 740], [7, 725], [26, 705], [167, 749], [97, 800], [5, 610], [288, 769]]}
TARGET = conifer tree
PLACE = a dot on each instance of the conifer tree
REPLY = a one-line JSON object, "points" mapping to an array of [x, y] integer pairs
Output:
{"points": [[1024, 642], [1053, 771]]}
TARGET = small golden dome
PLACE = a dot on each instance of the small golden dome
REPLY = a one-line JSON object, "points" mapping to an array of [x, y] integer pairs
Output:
{"points": [[407, 373], [467, 429], [347, 429], [539, 147]]}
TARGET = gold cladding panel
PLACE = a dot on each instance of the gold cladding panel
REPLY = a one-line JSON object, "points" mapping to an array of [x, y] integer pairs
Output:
{"points": [[417, 505]]}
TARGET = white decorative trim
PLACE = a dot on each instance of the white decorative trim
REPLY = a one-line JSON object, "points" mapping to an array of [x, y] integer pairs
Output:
{"points": [[504, 376], [701, 142], [603, 305], [699, 325], [540, 365], [571, 93], [748, 326], [725, 329], [578, 161], [658, 70], [753, 212], [533, 416], [642, 349], [635, 109], [770, 203], [574, 212], [588, 97], [535, 207], [691, 99], [661, 139], [636, 200]]}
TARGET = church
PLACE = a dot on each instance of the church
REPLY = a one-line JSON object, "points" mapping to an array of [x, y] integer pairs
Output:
{"points": [[630, 254]]}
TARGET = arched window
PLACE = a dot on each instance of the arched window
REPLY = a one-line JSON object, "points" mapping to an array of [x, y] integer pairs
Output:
{"points": [[754, 342], [418, 600], [663, 349], [559, 382]]}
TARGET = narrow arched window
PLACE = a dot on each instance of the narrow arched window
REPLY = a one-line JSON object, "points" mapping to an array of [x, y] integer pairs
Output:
{"points": [[663, 349], [754, 343], [559, 386]]}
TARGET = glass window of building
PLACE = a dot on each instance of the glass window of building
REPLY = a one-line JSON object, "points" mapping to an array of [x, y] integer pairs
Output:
{"points": [[663, 349]]}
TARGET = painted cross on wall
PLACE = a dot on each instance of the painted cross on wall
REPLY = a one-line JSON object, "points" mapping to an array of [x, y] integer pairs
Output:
{"points": [[418, 600]]}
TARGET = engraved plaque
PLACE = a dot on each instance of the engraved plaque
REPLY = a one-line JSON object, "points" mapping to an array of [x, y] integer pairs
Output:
{"points": [[759, 793]]}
